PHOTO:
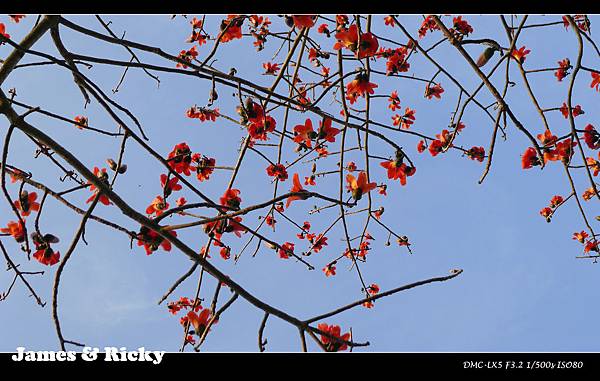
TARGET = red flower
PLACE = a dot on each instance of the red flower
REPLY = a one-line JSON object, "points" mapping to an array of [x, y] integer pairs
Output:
{"points": [[151, 240], [547, 138], [359, 87], [170, 185], [3, 31], [441, 144], [200, 321], [563, 71], [348, 38], [319, 242], [225, 253], [591, 246], [277, 170], [304, 21], [324, 29], [421, 146], [181, 201], [286, 250], [564, 150], [581, 236], [205, 166], [81, 121], [296, 188], [270, 221], [520, 54], [595, 81], [329, 270], [259, 123], [26, 203], [394, 101], [591, 137], [309, 180], [359, 186], [476, 153], [16, 230], [351, 166], [397, 170], [389, 20], [588, 194], [326, 131], [16, 18], [546, 213], [556, 201], [47, 256], [303, 133], [331, 344], [270, 69], [103, 176], [434, 91], [530, 158], [231, 198], [180, 158], [158, 206]]}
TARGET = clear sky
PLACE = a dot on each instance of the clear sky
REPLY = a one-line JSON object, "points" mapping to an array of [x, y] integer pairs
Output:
{"points": [[522, 288]]}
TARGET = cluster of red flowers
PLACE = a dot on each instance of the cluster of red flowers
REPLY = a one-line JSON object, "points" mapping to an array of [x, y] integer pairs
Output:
{"points": [[366, 46], [589, 244], [428, 25], [373, 289], [231, 28], [259, 29], [548, 211], [187, 56], [576, 111], [202, 113], [461, 27], [396, 59], [197, 32], [582, 22], [198, 318], [257, 122], [304, 133], [404, 121], [476, 153]]}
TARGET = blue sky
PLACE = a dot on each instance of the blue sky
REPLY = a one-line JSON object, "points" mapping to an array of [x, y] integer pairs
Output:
{"points": [[522, 288]]}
